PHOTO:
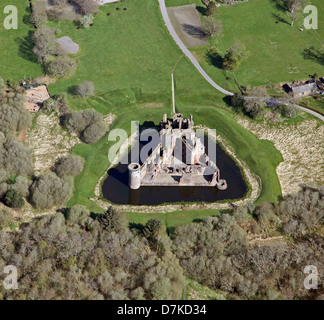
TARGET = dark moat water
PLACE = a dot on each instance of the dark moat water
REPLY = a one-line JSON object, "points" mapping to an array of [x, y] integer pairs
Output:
{"points": [[115, 187]]}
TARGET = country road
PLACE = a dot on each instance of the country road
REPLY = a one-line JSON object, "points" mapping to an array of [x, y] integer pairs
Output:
{"points": [[187, 53], [194, 61]]}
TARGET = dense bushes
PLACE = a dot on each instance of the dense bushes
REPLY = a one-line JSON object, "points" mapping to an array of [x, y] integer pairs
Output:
{"points": [[88, 124], [70, 165], [76, 258], [57, 104], [13, 115], [49, 190], [62, 67], [85, 89], [14, 199], [50, 55], [15, 159], [216, 251]]}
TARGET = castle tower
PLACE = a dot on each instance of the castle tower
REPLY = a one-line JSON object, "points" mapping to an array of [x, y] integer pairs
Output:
{"points": [[134, 176]]}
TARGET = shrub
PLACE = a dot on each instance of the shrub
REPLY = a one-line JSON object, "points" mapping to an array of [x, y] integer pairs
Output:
{"points": [[2, 84], [14, 199], [62, 67], [287, 111], [45, 45], [212, 27], [254, 107], [77, 121], [85, 89], [78, 215], [112, 219], [86, 6], [86, 20], [50, 106], [16, 159], [234, 56], [93, 133], [39, 15], [70, 165], [88, 124], [13, 116], [5, 218], [49, 190]]}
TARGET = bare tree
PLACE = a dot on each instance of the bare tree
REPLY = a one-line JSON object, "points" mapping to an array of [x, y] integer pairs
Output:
{"points": [[294, 7], [212, 26]]}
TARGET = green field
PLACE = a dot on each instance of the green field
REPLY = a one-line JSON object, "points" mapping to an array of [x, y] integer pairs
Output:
{"points": [[276, 50], [129, 56], [314, 104], [171, 219], [17, 59]]}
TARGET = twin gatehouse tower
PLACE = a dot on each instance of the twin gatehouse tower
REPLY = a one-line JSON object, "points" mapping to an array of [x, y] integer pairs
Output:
{"points": [[178, 160]]}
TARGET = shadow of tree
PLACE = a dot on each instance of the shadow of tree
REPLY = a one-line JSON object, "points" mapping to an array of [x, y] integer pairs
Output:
{"points": [[314, 54], [72, 90], [137, 227], [280, 18], [201, 10], [194, 31], [280, 5], [25, 47], [214, 58]]}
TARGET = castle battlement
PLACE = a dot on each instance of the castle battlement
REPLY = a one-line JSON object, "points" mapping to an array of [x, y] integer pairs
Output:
{"points": [[178, 160]]}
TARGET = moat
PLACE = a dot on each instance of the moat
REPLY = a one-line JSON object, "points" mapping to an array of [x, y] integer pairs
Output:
{"points": [[116, 189]]}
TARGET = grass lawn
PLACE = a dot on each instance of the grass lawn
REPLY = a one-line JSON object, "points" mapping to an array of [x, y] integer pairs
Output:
{"points": [[276, 50], [129, 56], [171, 219], [315, 104], [17, 60]]}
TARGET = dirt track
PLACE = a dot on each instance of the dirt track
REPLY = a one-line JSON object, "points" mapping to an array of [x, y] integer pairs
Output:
{"points": [[187, 24]]}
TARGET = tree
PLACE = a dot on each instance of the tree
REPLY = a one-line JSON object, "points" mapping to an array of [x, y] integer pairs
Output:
{"points": [[2, 85], [14, 199], [294, 7], [70, 165], [49, 190], [93, 133], [45, 45], [16, 159], [78, 121], [62, 67], [152, 229], [85, 89], [237, 100], [86, 20], [211, 7], [88, 124], [86, 6], [113, 220], [287, 111], [13, 116], [78, 215], [39, 15], [234, 56], [254, 107], [212, 26]]}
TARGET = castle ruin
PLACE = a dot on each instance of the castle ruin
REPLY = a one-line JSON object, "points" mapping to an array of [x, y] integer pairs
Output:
{"points": [[178, 160]]}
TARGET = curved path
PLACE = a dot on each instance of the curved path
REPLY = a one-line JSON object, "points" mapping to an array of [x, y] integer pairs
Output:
{"points": [[184, 49], [314, 113], [194, 61]]}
